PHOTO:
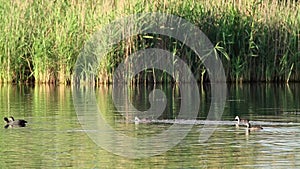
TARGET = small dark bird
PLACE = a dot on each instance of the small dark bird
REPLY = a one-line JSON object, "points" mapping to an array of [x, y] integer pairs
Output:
{"points": [[253, 128], [14, 123]]}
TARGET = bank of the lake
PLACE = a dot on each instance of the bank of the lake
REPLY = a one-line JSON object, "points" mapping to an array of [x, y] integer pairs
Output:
{"points": [[256, 40]]}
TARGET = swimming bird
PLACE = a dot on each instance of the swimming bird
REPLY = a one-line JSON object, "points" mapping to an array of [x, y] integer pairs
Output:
{"points": [[138, 120], [14, 123], [243, 121], [253, 128]]}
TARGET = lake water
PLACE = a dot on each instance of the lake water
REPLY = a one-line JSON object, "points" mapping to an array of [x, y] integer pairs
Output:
{"points": [[56, 138]]}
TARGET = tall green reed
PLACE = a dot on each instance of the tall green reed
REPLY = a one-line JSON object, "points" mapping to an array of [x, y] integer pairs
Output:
{"points": [[256, 40]]}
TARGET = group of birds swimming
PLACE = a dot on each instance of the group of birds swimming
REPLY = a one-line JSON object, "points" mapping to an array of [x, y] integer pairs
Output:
{"points": [[247, 123], [237, 119], [11, 122]]}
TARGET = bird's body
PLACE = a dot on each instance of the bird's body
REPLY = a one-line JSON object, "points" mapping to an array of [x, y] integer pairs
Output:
{"points": [[240, 121], [11, 122], [253, 128], [137, 120]]}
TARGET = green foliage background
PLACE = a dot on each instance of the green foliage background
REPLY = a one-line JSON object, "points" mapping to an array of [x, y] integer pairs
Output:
{"points": [[257, 40]]}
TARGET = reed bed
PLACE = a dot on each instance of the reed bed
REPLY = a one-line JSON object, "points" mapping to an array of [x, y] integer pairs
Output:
{"points": [[258, 41]]}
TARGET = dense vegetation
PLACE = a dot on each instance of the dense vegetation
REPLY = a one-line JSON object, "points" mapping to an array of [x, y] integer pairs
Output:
{"points": [[256, 40]]}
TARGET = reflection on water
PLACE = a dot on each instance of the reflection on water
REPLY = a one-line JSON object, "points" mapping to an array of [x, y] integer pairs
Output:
{"points": [[54, 137]]}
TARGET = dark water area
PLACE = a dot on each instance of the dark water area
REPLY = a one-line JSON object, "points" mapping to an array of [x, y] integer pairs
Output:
{"points": [[56, 138]]}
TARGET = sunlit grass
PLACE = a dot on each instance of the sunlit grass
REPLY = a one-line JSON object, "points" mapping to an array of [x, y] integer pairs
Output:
{"points": [[257, 40]]}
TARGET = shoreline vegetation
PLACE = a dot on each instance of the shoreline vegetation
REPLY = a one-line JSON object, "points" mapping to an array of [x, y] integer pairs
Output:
{"points": [[257, 41]]}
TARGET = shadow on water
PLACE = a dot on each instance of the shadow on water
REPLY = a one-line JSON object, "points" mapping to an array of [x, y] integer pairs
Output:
{"points": [[55, 138]]}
